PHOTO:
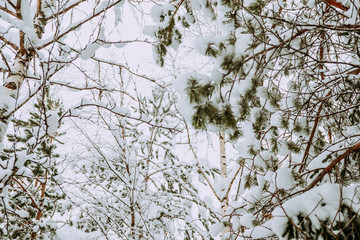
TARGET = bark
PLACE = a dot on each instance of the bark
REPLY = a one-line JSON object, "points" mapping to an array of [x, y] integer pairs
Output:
{"points": [[10, 94], [224, 175]]}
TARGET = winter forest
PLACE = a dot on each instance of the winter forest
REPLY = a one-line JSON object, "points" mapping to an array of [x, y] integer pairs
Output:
{"points": [[179, 119]]}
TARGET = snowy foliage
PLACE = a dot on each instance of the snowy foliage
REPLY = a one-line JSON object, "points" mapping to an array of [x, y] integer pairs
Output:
{"points": [[88, 152], [288, 100]]}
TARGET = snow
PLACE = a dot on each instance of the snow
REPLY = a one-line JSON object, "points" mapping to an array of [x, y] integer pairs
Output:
{"points": [[202, 43], [247, 220], [261, 92], [284, 178], [242, 42], [102, 6], [6, 102], [216, 229], [247, 3], [36, 228], [252, 196], [320, 203], [21, 158], [157, 12], [195, 4], [150, 30], [52, 122], [259, 232], [120, 45], [22, 213], [59, 179], [118, 12], [69, 233], [121, 111], [259, 162], [311, 3], [4, 173], [89, 51]]}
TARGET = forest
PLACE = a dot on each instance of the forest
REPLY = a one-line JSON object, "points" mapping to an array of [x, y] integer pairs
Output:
{"points": [[179, 119]]}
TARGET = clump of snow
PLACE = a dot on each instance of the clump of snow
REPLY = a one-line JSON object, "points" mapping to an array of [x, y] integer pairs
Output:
{"points": [[276, 119], [318, 204], [259, 162], [89, 51], [247, 220], [284, 178], [216, 76], [59, 179], [160, 13], [252, 196], [242, 42], [150, 30], [261, 92], [22, 213], [6, 101], [118, 12], [120, 45], [259, 232], [261, 159], [121, 111], [4, 173], [52, 121], [201, 44], [69, 233], [216, 229], [21, 158]]}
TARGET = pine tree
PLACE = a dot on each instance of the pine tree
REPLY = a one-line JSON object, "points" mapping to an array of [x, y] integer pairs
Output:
{"points": [[286, 94], [33, 194]]}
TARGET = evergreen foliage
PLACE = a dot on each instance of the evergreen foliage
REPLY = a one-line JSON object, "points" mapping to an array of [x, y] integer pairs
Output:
{"points": [[288, 88], [33, 194]]}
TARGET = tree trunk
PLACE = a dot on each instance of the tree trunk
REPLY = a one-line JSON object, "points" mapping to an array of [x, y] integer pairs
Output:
{"points": [[9, 95], [223, 171]]}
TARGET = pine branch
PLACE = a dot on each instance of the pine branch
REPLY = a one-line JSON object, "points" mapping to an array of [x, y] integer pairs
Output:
{"points": [[332, 165], [317, 118]]}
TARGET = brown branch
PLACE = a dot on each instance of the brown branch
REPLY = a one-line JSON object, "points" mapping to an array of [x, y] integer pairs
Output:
{"points": [[38, 8], [11, 4], [336, 4], [197, 164], [8, 11], [208, 181], [65, 10], [232, 181], [11, 44], [333, 164], [127, 69], [78, 25], [31, 198], [313, 131], [276, 46]]}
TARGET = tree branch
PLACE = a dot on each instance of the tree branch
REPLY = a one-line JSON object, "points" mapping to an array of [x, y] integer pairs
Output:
{"points": [[70, 29], [11, 44], [8, 11], [333, 164]]}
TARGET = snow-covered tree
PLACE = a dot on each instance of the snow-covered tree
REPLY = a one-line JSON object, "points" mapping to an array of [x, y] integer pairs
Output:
{"points": [[282, 85], [39, 40], [130, 181], [33, 196]]}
